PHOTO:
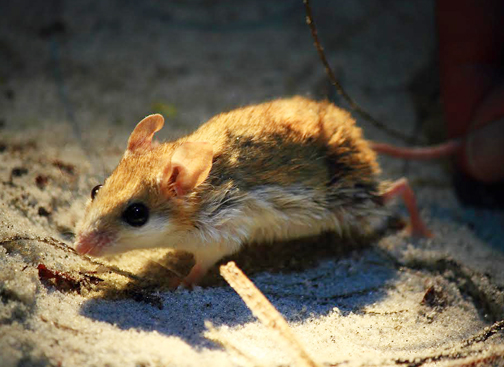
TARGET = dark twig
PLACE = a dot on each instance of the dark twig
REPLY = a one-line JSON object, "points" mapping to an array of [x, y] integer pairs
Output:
{"points": [[63, 246], [484, 334], [332, 77]]}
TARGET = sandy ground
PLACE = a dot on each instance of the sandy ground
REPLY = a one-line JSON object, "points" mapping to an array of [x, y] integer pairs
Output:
{"points": [[75, 77]]}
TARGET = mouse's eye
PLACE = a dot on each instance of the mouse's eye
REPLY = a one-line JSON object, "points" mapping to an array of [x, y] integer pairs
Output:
{"points": [[136, 214], [95, 191]]}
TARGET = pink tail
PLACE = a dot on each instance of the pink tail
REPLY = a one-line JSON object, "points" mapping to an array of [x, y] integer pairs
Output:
{"points": [[420, 153]]}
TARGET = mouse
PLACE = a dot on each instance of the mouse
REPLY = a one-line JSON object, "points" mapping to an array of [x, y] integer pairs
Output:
{"points": [[274, 171]]}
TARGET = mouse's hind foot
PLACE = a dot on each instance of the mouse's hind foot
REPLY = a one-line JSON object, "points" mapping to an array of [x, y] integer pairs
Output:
{"points": [[402, 188]]}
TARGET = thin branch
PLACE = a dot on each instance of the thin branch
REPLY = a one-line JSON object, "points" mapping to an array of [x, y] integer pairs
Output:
{"points": [[484, 334], [264, 311], [341, 91], [63, 246]]}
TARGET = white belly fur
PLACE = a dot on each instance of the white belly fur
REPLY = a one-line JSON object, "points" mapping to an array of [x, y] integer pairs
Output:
{"points": [[267, 215]]}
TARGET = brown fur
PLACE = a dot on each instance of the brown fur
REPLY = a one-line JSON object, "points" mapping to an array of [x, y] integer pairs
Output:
{"points": [[281, 142], [291, 156]]}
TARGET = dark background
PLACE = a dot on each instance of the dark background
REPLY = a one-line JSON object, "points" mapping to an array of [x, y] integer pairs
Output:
{"points": [[100, 62]]}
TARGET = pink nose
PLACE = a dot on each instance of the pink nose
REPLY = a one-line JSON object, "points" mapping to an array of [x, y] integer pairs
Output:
{"points": [[86, 248], [93, 243]]}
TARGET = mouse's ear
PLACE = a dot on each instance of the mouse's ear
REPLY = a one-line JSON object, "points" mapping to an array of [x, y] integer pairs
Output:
{"points": [[141, 137], [189, 167]]}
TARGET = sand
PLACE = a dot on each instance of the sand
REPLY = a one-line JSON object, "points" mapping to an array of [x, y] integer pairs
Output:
{"points": [[75, 77]]}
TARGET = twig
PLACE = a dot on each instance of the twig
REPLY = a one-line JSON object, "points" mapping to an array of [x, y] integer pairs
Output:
{"points": [[341, 91], [495, 356], [63, 246], [264, 311], [484, 334]]}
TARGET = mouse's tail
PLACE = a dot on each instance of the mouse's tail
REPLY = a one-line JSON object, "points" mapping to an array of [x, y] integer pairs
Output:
{"points": [[419, 153]]}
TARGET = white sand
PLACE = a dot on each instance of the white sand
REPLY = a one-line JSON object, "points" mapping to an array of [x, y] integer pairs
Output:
{"points": [[119, 62]]}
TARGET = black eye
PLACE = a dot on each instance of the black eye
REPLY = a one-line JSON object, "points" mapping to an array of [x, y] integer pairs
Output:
{"points": [[95, 191], [136, 215]]}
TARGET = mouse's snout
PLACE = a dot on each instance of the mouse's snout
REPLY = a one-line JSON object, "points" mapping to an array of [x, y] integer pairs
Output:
{"points": [[93, 243]]}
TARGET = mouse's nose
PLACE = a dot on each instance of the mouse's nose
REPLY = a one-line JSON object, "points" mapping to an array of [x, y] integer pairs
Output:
{"points": [[93, 243]]}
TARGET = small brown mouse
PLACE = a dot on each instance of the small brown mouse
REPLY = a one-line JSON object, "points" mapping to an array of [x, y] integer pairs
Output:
{"points": [[274, 171]]}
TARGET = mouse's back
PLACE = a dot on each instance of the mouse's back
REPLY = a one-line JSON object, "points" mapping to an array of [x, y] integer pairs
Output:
{"points": [[288, 141]]}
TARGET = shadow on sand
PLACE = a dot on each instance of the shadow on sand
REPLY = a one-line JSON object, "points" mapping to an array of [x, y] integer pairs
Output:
{"points": [[302, 279]]}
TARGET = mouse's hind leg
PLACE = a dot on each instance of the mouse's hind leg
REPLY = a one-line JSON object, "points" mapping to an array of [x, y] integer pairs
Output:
{"points": [[402, 188]]}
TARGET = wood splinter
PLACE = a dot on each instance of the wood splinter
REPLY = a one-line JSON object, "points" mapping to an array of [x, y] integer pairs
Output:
{"points": [[265, 311]]}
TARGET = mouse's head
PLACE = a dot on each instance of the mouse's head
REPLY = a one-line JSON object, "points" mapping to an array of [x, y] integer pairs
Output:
{"points": [[145, 202]]}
